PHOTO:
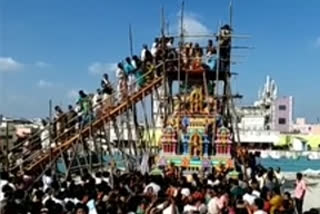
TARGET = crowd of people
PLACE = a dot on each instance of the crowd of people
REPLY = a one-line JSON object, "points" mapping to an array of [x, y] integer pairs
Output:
{"points": [[246, 188]]}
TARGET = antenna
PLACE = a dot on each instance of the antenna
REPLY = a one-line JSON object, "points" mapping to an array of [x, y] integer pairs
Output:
{"points": [[163, 22]]}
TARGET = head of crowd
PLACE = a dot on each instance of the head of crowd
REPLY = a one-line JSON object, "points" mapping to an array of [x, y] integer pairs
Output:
{"points": [[246, 188]]}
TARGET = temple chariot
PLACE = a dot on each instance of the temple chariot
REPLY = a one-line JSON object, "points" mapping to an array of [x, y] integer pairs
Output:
{"points": [[189, 85]]}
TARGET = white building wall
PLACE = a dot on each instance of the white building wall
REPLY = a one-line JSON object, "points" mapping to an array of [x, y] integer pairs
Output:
{"points": [[252, 123], [259, 136]]}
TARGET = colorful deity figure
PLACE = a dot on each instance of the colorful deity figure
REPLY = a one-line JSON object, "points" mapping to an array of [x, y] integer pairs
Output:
{"points": [[185, 144], [196, 101], [165, 143], [206, 143], [185, 124], [223, 140], [174, 144], [196, 144], [169, 140]]}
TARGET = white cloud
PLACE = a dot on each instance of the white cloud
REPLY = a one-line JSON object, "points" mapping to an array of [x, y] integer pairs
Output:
{"points": [[72, 94], [41, 64], [193, 26], [44, 84], [101, 68], [317, 43], [8, 64]]}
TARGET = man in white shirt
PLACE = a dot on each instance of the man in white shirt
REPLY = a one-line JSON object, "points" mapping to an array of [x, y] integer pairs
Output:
{"points": [[143, 52], [280, 177], [249, 198], [155, 188], [96, 101], [146, 55], [45, 136], [171, 209], [214, 203], [260, 179], [47, 180], [154, 47], [170, 43], [121, 87], [189, 208]]}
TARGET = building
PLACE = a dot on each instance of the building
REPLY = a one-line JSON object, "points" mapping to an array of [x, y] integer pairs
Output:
{"points": [[257, 121], [301, 126], [13, 129], [8, 135], [283, 114]]}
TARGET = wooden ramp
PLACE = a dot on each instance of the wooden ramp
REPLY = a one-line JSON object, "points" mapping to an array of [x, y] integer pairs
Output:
{"points": [[40, 163]]}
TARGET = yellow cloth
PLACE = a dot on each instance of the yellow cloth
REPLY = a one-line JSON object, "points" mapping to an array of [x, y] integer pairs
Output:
{"points": [[275, 203]]}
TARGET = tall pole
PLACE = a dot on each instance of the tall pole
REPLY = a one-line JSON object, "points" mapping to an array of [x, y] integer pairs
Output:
{"points": [[7, 146], [181, 21], [218, 64], [50, 127], [134, 110], [164, 66], [235, 122], [163, 22], [180, 45], [186, 74], [130, 40], [230, 14]]}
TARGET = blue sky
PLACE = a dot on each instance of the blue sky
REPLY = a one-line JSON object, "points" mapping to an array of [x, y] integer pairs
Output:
{"points": [[53, 48]]}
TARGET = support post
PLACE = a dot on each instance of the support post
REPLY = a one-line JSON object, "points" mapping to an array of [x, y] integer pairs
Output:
{"points": [[165, 79], [7, 146], [180, 46], [216, 93], [50, 127]]}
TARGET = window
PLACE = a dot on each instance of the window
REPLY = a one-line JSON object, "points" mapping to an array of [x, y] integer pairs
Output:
{"points": [[282, 121], [282, 107]]}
